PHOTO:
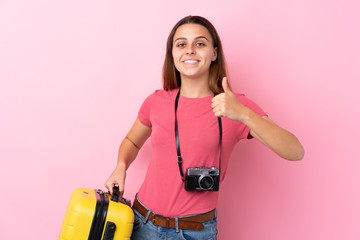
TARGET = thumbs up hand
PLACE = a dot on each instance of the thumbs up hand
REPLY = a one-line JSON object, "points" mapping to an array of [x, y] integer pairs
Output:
{"points": [[227, 105]]}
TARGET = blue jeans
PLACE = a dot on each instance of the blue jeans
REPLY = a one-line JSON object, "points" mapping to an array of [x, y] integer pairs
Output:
{"points": [[146, 230]]}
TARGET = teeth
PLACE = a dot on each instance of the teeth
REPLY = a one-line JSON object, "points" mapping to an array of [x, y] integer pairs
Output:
{"points": [[190, 61]]}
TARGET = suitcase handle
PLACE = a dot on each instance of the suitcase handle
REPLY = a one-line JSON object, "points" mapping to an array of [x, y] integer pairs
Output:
{"points": [[115, 194], [117, 198]]}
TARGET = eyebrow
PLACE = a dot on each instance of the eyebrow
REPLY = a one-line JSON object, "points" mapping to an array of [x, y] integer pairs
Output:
{"points": [[184, 38]]}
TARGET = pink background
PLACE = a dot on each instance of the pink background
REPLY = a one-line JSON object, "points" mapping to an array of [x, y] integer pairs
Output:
{"points": [[74, 73]]}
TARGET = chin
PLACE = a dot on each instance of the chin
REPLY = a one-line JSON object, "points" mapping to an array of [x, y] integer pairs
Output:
{"points": [[192, 74]]}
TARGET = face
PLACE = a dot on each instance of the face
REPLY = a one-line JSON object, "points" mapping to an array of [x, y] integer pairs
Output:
{"points": [[193, 51]]}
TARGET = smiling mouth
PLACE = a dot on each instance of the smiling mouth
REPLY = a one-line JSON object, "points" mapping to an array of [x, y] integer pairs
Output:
{"points": [[191, 61]]}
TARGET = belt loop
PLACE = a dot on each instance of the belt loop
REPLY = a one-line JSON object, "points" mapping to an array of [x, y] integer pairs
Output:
{"points": [[216, 213], [147, 216], [177, 224]]}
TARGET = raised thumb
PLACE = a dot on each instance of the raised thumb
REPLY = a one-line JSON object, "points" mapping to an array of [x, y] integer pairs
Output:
{"points": [[225, 85]]}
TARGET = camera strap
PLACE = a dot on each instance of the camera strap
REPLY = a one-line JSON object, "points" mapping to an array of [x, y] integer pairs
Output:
{"points": [[177, 141]]}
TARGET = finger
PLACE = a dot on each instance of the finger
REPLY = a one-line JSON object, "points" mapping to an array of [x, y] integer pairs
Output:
{"points": [[218, 111], [225, 85], [217, 99], [216, 103], [111, 185], [121, 190], [218, 114], [108, 187]]}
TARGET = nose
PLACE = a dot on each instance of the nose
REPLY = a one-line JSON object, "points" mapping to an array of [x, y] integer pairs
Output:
{"points": [[190, 50]]}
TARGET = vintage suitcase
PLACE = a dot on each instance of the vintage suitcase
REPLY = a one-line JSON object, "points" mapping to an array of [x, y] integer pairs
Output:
{"points": [[94, 215]]}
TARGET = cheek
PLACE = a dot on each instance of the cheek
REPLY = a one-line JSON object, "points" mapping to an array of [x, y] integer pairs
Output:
{"points": [[175, 55], [211, 56], [175, 58], [176, 64]]}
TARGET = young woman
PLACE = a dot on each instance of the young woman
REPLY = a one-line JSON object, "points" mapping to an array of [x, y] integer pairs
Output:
{"points": [[179, 195]]}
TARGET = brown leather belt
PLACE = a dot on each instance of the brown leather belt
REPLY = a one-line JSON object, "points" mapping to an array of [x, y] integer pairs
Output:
{"points": [[186, 223]]}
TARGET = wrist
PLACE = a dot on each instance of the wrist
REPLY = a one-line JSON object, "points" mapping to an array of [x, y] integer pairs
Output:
{"points": [[121, 165], [247, 116]]}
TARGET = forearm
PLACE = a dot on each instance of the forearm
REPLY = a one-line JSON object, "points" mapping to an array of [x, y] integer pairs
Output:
{"points": [[279, 140], [127, 154], [128, 151]]}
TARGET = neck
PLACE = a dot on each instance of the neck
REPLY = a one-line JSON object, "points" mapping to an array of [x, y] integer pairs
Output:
{"points": [[195, 88]]}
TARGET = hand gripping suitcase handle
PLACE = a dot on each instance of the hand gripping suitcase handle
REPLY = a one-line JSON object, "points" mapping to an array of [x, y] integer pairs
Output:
{"points": [[117, 198], [115, 194]]}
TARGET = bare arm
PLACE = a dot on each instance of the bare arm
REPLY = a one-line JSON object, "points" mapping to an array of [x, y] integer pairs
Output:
{"points": [[128, 151], [279, 140], [282, 142]]}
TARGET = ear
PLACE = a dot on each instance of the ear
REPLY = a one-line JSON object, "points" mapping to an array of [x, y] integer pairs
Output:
{"points": [[215, 54]]}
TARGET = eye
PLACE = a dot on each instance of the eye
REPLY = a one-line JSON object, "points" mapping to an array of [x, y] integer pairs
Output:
{"points": [[180, 45], [200, 44]]}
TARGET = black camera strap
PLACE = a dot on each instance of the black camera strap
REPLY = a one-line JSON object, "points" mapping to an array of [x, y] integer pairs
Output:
{"points": [[180, 161]]}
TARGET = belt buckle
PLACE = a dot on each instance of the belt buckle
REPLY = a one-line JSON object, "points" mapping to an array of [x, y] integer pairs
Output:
{"points": [[167, 220]]}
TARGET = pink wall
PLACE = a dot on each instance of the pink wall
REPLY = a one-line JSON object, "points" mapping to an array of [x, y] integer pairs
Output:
{"points": [[70, 73]]}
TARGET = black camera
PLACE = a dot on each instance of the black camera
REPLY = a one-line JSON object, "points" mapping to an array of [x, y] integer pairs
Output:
{"points": [[202, 179]]}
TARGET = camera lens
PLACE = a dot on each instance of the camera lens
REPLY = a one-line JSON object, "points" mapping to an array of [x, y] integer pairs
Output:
{"points": [[206, 182]]}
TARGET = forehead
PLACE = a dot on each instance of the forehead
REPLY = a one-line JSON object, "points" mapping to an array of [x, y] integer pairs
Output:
{"points": [[191, 30]]}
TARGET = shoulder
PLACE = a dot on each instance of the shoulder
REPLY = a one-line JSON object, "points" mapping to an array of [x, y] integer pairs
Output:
{"points": [[161, 94], [165, 93], [160, 97]]}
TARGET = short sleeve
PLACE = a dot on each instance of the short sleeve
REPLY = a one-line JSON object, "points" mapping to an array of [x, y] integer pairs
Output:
{"points": [[244, 132], [144, 112]]}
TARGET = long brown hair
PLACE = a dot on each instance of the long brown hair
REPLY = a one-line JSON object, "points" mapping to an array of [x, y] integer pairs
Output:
{"points": [[171, 76]]}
